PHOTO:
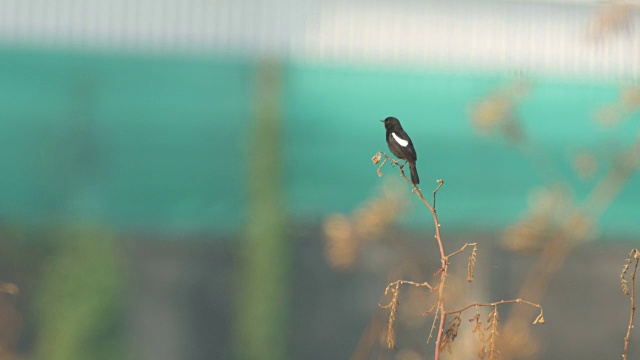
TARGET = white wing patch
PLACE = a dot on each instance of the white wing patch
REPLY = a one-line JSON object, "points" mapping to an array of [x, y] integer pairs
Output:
{"points": [[400, 141]]}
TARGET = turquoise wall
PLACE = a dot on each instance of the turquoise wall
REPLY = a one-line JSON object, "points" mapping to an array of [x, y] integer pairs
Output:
{"points": [[158, 142]]}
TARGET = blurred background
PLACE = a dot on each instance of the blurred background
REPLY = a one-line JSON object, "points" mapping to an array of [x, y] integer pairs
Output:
{"points": [[193, 180]]}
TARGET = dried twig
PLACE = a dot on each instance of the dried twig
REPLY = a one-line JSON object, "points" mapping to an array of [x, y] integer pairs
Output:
{"points": [[633, 255], [539, 319], [450, 334], [493, 319], [482, 352], [463, 249], [471, 264], [394, 288], [443, 257], [444, 339]]}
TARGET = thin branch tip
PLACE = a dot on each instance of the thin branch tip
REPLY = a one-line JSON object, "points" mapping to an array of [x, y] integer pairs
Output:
{"points": [[633, 255]]}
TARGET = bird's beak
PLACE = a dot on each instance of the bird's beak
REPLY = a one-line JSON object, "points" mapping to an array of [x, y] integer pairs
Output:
{"points": [[381, 120]]}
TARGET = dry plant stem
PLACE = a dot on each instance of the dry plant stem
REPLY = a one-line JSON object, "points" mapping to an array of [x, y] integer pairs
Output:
{"points": [[440, 311], [398, 283], [461, 249], [634, 254], [443, 257], [539, 319], [443, 315], [444, 260], [394, 288]]}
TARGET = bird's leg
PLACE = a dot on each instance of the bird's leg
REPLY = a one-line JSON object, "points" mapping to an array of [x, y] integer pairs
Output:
{"points": [[401, 167], [397, 163]]}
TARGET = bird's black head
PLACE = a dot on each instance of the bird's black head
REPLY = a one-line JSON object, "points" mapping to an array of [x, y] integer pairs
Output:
{"points": [[391, 123]]}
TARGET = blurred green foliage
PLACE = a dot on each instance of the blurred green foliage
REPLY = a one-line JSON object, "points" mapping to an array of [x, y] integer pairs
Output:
{"points": [[263, 286], [79, 302]]}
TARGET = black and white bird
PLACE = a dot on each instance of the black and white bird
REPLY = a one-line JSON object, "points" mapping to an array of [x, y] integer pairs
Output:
{"points": [[401, 146]]}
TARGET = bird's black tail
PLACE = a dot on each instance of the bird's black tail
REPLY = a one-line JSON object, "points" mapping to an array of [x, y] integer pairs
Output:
{"points": [[414, 174]]}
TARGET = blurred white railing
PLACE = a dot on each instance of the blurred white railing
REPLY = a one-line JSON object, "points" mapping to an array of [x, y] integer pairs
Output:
{"points": [[555, 37]]}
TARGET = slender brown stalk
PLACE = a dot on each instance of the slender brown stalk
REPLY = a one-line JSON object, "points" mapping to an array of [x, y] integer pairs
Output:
{"points": [[443, 340], [443, 260], [539, 319], [634, 254], [443, 257]]}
